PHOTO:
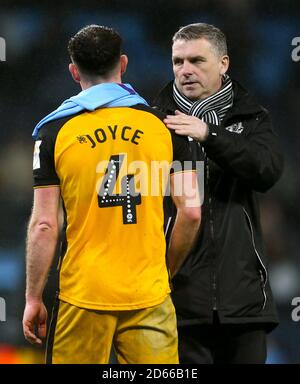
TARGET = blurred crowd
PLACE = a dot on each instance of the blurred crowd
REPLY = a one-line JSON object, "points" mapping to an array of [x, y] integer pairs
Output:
{"points": [[35, 80]]}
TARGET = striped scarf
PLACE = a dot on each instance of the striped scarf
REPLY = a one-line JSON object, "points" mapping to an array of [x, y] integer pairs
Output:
{"points": [[210, 110]]}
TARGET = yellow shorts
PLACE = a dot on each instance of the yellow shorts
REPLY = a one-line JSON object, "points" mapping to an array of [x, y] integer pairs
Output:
{"points": [[84, 336]]}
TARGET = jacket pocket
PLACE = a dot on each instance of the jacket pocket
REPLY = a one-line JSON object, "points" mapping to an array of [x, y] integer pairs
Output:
{"points": [[263, 273]]}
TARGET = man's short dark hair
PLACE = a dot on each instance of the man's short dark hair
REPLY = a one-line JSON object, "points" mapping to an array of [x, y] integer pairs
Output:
{"points": [[203, 31], [95, 50]]}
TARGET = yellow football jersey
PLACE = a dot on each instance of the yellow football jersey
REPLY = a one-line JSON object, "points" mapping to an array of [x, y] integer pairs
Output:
{"points": [[106, 163]]}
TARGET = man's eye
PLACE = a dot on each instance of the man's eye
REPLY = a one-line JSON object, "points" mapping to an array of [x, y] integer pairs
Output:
{"points": [[198, 61]]}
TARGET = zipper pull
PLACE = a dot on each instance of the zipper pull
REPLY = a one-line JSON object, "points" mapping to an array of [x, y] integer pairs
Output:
{"points": [[262, 277]]}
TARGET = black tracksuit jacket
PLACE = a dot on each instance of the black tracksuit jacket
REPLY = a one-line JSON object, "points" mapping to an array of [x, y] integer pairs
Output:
{"points": [[227, 270]]}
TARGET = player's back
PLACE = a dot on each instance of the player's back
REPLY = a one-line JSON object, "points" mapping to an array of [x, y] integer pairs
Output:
{"points": [[107, 163]]}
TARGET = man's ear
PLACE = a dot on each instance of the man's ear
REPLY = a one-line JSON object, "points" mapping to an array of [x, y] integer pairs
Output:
{"points": [[123, 62], [74, 72], [224, 65]]}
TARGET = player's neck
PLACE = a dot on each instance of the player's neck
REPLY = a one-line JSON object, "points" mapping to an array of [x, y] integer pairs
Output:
{"points": [[90, 83]]}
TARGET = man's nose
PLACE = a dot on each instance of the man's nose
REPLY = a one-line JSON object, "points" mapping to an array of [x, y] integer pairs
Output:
{"points": [[187, 68]]}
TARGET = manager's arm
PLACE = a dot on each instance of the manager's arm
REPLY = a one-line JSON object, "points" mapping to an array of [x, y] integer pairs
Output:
{"points": [[255, 158]]}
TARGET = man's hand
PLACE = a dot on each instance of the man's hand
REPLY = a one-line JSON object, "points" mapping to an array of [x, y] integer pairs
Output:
{"points": [[35, 319], [187, 126]]}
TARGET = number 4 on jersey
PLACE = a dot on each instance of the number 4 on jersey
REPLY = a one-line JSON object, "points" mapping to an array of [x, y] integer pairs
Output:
{"points": [[128, 199]]}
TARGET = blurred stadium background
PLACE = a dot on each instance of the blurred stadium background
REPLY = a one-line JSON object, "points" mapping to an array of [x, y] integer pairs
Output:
{"points": [[34, 80]]}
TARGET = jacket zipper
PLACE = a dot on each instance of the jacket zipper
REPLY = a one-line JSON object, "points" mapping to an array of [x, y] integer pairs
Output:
{"points": [[211, 225], [263, 278]]}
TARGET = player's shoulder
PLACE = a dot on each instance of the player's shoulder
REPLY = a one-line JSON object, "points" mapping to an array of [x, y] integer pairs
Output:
{"points": [[154, 111], [176, 139], [52, 128]]}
